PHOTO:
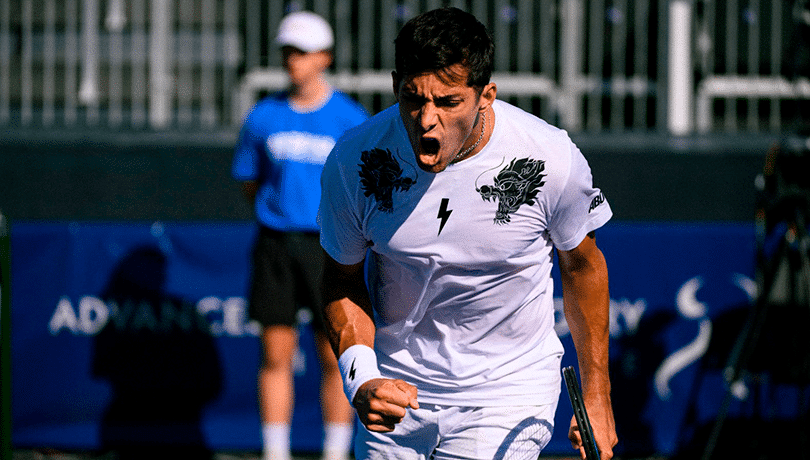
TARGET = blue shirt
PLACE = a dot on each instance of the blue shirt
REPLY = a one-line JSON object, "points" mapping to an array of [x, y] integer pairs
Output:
{"points": [[284, 150]]}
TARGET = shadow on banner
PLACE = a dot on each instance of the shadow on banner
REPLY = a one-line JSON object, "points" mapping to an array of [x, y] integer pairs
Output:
{"points": [[630, 371], [160, 361]]}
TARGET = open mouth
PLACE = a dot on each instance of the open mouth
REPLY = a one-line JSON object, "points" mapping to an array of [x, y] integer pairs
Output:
{"points": [[429, 145]]}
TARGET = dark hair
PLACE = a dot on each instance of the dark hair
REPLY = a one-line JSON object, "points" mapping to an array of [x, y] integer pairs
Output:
{"points": [[443, 37]]}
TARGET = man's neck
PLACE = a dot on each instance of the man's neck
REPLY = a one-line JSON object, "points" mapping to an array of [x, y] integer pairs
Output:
{"points": [[310, 95]]}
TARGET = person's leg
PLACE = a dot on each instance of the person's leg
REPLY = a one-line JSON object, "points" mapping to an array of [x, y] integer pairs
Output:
{"points": [[276, 390], [338, 414], [272, 304]]}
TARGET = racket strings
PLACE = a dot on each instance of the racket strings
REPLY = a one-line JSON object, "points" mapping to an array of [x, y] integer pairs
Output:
{"points": [[525, 441]]}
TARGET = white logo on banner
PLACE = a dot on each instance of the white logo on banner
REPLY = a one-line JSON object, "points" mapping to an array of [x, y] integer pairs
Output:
{"points": [[689, 307], [220, 317]]}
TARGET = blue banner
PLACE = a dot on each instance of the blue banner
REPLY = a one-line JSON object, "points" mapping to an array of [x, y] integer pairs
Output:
{"points": [[129, 332]]}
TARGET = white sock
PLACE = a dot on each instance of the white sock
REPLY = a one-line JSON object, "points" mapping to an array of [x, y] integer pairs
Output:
{"points": [[276, 441], [337, 441]]}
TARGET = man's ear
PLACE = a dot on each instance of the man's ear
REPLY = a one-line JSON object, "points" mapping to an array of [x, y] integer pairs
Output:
{"points": [[326, 58], [488, 95], [330, 58], [395, 80]]}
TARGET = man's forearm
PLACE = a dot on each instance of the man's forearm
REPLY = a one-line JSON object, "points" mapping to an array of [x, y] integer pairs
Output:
{"points": [[348, 324], [347, 308], [588, 319]]}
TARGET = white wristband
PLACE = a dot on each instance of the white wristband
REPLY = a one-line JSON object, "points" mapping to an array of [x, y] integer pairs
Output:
{"points": [[358, 365]]}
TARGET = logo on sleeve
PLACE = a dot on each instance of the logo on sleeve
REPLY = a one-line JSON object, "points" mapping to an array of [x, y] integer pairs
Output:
{"points": [[515, 185], [599, 199], [352, 370], [380, 175]]}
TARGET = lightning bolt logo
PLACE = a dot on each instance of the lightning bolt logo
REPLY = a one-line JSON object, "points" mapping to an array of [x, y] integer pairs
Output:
{"points": [[444, 214], [352, 370]]}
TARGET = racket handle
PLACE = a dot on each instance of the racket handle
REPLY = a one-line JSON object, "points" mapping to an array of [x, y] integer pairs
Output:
{"points": [[581, 415]]}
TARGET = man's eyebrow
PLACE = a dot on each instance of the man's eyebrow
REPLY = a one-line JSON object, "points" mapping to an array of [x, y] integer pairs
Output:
{"points": [[448, 98], [411, 93]]}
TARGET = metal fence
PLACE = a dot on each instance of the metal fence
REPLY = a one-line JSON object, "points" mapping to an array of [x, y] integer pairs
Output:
{"points": [[587, 65]]}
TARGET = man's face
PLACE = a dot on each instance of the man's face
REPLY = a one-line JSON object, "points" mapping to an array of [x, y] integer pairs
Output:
{"points": [[303, 67], [439, 111]]}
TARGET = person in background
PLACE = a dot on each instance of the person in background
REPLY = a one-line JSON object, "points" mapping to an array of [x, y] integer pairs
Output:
{"points": [[282, 147]]}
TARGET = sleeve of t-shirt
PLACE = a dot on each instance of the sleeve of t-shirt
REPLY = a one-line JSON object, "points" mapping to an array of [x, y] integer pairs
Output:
{"points": [[351, 113], [581, 207], [338, 215], [245, 164]]}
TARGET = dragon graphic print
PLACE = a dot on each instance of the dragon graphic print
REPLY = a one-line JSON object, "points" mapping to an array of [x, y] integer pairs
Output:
{"points": [[515, 185], [380, 175]]}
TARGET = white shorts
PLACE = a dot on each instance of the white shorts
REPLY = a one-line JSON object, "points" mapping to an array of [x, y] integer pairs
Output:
{"points": [[451, 432]]}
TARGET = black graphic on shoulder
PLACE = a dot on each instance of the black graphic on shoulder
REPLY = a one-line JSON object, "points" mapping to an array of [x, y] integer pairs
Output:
{"points": [[515, 185], [380, 175]]}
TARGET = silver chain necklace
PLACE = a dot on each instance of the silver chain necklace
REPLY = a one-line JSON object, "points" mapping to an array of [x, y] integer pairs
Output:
{"points": [[461, 155]]}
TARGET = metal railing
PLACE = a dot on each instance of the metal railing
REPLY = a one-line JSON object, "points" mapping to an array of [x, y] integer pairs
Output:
{"points": [[751, 57], [587, 65], [119, 63]]}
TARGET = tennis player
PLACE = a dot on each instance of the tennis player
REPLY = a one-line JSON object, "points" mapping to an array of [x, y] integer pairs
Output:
{"points": [[439, 217]]}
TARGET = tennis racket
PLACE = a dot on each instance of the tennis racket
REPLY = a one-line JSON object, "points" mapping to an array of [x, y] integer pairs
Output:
{"points": [[578, 405]]}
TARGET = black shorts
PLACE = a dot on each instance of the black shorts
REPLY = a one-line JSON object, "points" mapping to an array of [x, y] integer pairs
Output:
{"points": [[287, 269]]}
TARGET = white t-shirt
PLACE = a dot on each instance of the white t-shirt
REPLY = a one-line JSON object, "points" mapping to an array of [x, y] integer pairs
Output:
{"points": [[460, 261]]}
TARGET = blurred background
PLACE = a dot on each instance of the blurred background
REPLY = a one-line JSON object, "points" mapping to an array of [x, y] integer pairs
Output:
{"points": [[119, 119]]}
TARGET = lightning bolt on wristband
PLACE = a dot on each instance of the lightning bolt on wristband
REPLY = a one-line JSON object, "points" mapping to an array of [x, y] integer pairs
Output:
{"points": [[358, 365]]}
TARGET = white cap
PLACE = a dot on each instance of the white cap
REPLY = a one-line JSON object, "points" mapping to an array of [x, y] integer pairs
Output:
{"points": [[306, 31]]}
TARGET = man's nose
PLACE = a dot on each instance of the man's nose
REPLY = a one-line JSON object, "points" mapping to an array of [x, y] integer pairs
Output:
{"points": [[428, 117]]}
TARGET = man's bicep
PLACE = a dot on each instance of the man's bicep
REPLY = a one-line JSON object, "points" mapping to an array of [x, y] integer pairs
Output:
{"points": [[584, 275], [336, 274], [585, 255]]}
